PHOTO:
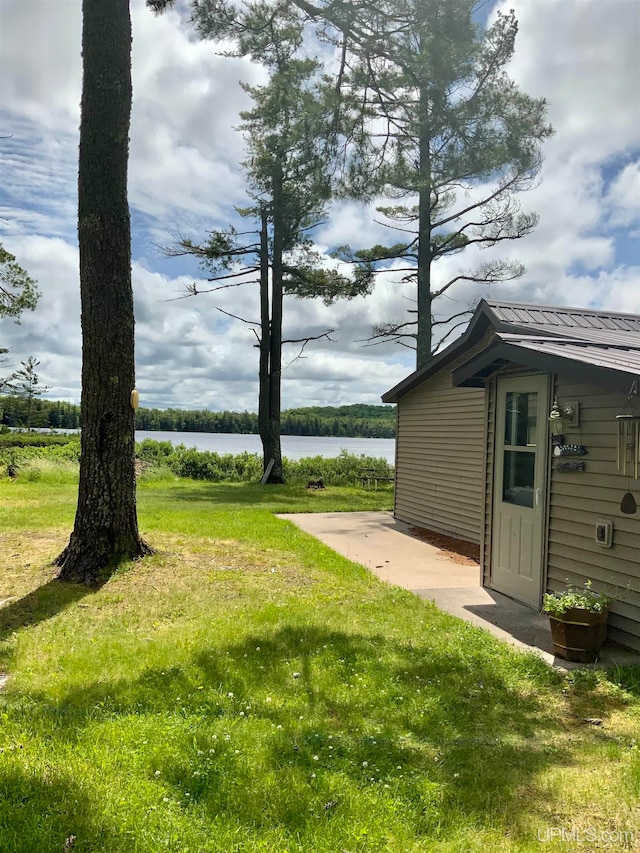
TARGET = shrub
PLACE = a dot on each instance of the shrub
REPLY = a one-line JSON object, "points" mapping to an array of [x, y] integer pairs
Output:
{"points": [[36, 439]]}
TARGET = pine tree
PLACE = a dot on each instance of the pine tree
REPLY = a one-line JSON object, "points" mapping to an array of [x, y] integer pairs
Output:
{"points": [[106, 525], [26, 384], [289, 172], [455, 141]]}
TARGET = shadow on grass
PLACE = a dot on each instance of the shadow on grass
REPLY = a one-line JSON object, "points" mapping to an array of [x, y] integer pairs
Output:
{"points": [[277, 498], [37, 815], [39, 605], [266, 732]]}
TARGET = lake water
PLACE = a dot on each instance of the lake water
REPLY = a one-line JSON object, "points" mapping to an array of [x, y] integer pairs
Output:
{"points": [[293, 446]]}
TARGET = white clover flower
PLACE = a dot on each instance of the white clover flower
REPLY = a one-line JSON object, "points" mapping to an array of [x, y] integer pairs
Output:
{"points": [[230, 695]]}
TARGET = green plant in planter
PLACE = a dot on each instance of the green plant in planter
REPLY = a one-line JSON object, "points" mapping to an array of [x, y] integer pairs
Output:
{"points": [[578, 618], [558, 603]]}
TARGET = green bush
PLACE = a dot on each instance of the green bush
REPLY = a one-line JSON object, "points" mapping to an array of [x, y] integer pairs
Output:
{"points": [[156, 451], [342, 470], [36, 439], [205, 465], [162, 458]]}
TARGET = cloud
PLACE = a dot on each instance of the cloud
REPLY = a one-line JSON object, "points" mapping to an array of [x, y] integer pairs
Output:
{"points": [[184, 173], [623, 196]]}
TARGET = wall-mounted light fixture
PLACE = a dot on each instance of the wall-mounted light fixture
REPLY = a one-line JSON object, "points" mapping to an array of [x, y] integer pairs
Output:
{"points": [[563, 417]]}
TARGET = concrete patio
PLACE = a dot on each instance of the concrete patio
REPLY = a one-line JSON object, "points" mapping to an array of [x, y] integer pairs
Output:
{"points": [[387, 548]]}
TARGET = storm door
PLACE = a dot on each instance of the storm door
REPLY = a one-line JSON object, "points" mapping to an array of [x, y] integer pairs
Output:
{"points": [[519, 488]]}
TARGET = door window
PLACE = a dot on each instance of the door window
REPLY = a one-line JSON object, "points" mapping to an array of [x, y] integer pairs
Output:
{"points": [[520, 440]]}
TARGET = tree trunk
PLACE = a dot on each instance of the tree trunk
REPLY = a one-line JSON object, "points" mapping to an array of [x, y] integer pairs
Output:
{"points": [[424, 338], [264, 374], [106, 526], [271, 447]]}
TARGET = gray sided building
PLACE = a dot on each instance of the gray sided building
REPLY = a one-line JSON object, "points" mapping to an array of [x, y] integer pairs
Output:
{"points": [[510, 439]]}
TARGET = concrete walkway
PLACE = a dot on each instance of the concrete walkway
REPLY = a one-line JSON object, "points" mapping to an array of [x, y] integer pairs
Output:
{"points": [[385, 546]]}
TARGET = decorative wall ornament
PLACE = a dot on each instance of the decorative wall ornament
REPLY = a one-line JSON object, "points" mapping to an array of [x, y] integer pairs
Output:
{"points": [[566, 467], [629, 435]]}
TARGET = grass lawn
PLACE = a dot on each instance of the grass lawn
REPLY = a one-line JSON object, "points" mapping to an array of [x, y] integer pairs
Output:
{"points": [[247, 689]]}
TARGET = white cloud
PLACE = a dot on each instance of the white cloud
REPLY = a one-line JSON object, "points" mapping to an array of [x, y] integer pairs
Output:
{"points": [[580, 54], [623, 196]]}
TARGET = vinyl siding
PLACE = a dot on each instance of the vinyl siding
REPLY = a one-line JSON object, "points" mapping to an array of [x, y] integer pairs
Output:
{"points": [[578, 500], [440, 457]]}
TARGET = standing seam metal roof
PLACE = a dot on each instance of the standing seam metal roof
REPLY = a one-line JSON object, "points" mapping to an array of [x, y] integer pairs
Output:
{"points": [[601, 338], [551, 316]]}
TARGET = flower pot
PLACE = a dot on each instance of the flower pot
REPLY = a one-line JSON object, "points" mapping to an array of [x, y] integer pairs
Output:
{"points": [[578, 634]]}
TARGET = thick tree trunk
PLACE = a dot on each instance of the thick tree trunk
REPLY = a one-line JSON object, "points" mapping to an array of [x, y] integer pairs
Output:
{"points": [[106, 526], [271, 446]]}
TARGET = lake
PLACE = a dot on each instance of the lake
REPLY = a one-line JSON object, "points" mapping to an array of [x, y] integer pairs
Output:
{"points": [[293, 446]]}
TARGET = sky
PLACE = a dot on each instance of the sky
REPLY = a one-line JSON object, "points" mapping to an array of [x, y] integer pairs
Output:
{"points": [[184, 175]]}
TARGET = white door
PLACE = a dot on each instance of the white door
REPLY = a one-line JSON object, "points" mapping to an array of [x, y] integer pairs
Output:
{"points": [[519, 488]]}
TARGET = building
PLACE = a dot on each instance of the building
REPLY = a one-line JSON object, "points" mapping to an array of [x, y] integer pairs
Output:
{"points": [[510, 438]]}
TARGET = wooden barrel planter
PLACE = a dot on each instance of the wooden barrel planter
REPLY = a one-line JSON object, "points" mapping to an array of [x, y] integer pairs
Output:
{"points": [[578, 634]]}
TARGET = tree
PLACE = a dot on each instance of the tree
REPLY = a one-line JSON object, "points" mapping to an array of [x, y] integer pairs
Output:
{"points": [[106, 526], [26, 383], [289, 171], [455, 140], [18, 293]]}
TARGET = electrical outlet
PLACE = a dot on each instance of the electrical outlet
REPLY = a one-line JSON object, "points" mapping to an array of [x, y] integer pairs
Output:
{"points": [[604, 533]]}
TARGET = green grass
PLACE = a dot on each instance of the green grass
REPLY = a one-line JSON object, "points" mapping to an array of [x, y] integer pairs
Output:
{"points": [[247, 689]]}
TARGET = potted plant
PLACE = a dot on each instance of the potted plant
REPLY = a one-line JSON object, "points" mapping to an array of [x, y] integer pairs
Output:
{"points": [[578, 618]]}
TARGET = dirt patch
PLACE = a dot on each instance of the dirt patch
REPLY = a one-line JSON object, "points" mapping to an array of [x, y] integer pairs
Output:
{"points": [[457, 550]]}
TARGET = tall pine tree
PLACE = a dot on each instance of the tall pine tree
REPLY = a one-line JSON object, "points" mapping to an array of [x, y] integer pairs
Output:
{"points": [[106, 525]]}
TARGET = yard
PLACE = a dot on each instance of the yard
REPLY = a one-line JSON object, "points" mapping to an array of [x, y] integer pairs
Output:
{"points": [[246, 689]]}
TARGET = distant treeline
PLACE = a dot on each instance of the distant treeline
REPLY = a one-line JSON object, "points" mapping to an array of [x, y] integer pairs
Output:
{"points": [[356, 421]]}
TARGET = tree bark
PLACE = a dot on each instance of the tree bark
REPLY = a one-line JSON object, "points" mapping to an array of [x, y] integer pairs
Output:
{"points": [[264, 373], [106, 525], [272, 447]]}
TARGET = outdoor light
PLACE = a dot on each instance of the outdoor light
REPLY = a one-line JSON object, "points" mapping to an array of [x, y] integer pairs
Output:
{"points": [[562, 417]]}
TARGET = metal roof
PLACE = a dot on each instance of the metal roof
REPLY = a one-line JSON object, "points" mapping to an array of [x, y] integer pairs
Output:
{"points": [[618, 357], [551, 318], [604, 340]]}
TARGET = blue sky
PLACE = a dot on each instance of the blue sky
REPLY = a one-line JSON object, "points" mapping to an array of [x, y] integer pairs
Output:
{"points": [[580, 54]]}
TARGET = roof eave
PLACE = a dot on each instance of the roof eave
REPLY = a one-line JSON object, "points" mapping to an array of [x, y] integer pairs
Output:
{"points": [[482, 320], [477, 370]]}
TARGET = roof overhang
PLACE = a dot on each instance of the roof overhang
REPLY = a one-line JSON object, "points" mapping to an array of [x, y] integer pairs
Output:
{"points": [[606, 353], [481, 321], [475, 372]]}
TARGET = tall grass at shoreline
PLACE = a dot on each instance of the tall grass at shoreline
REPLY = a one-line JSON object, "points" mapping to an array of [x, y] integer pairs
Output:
{"points": [[31, 455]]}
